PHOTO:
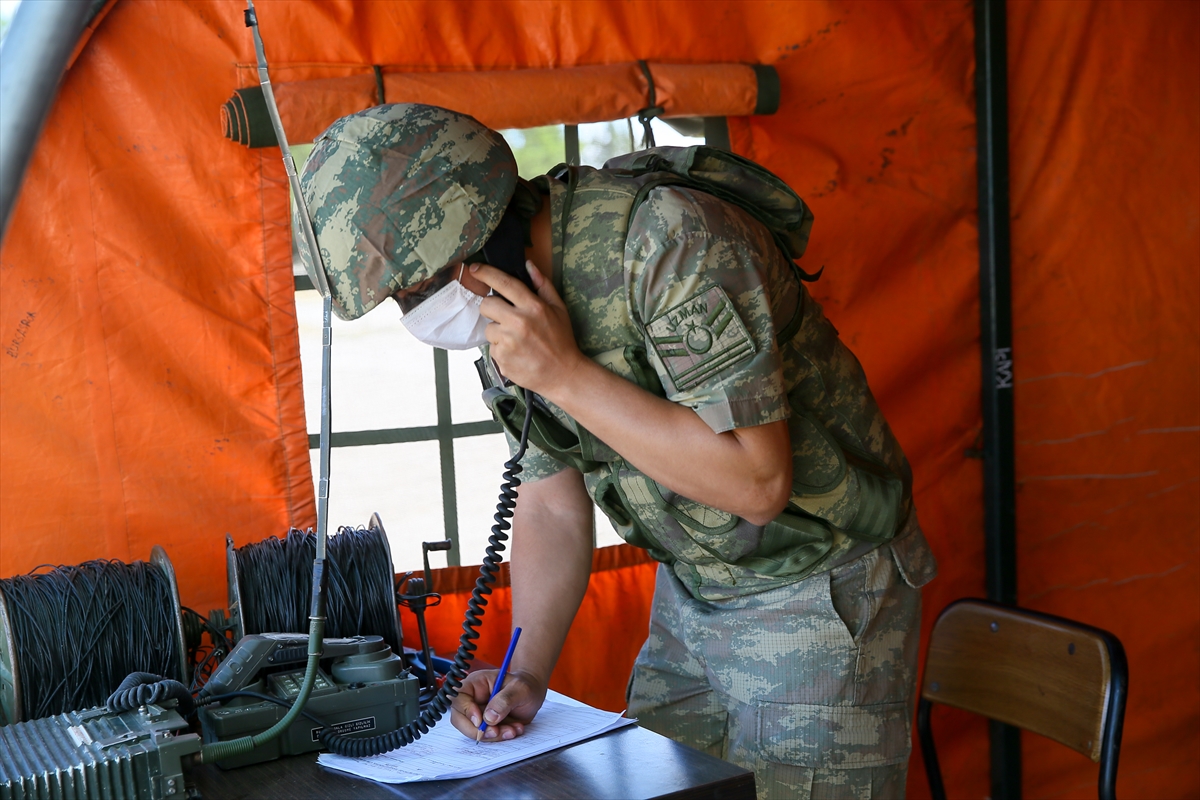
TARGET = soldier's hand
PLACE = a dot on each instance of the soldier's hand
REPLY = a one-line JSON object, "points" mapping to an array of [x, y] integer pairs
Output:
{"points": [[531, 336], [507, 713]]}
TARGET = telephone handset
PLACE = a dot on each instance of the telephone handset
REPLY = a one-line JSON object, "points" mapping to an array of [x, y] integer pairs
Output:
{"points": [[505, 250]]}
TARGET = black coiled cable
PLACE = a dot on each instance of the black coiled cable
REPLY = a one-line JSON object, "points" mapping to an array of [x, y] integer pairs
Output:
{"points": [[374, 745], [144, 688], [78, 630], [275, 576]]}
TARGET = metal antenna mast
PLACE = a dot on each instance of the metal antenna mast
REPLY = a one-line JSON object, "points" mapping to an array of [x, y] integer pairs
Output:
{"points": [[308, 247]]}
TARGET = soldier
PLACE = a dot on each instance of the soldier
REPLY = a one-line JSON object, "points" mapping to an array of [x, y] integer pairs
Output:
{"points": [[691, 388]]}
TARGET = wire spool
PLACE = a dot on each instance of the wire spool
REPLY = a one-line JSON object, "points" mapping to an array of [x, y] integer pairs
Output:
{"points": [[68, 637], [270, 584]]}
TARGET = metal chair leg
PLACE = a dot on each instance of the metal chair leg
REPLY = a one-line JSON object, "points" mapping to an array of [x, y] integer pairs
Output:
{"points": [[933, 772], [1114, 722]]}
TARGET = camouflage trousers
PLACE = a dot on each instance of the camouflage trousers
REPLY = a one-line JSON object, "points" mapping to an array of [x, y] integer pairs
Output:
{"points": [[810, 685]]}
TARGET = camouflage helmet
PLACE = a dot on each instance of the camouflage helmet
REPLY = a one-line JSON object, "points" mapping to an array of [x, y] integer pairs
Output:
{"points": [[399, 191]]}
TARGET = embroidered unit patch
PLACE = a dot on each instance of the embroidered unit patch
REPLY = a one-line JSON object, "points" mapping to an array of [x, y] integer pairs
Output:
{"points": [[700, 337]]}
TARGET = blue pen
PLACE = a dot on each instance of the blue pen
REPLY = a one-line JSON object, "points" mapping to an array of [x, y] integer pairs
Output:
{"points": [[500, 679]]}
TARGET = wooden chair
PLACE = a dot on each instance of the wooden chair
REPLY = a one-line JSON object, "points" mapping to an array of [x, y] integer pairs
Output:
{"points": [[1045, 674]]}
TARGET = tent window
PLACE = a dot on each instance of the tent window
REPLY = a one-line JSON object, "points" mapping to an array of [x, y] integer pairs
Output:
{"points": [[411, 438]]}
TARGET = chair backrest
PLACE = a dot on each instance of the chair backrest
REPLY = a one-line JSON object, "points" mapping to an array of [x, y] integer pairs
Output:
{"points": [[1045, 674]]}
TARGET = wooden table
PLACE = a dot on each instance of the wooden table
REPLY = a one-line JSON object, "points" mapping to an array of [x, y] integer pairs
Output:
{"points": [[630, 763]]}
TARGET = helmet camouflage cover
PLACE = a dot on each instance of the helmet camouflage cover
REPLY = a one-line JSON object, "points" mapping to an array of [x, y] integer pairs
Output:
{"points": [[397, 192]]}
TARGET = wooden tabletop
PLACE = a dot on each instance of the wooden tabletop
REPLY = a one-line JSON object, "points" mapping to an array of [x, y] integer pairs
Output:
{"points": [[627, 764]]}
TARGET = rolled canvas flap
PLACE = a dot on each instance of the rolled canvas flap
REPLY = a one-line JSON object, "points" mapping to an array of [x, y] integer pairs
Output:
{"points": [[524, 98]]}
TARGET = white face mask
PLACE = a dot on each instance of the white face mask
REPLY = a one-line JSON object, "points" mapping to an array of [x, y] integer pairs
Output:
{"points": [[449, 319]]}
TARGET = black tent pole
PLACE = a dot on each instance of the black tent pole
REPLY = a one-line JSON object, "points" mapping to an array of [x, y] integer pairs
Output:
{"points": [[995, 312]]}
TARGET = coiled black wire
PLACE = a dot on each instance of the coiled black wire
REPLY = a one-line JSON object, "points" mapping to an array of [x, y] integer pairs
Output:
{"points": [[144, 688], [374, 745], [77, 631], [275, 580]]}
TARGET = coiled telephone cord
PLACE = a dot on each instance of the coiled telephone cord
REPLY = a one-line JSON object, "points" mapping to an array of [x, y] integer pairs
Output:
{"points": [[383, 743]]}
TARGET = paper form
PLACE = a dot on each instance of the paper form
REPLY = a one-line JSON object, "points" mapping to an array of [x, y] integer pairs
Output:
{"points": [[445, 754]]}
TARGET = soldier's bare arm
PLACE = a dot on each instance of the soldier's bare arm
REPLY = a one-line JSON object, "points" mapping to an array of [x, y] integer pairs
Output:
{"points": [[745, 471], [551, 562]]}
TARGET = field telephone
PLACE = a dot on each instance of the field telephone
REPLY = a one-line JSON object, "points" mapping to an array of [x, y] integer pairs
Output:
{"points": [[274, 693], [367, 689]]}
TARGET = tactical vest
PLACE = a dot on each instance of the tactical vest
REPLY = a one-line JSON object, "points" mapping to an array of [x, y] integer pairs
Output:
{"points": [[851, 483]]}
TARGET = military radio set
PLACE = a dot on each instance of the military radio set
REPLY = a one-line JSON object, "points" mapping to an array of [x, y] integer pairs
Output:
{"points": [[101, 667], [69, 636]]}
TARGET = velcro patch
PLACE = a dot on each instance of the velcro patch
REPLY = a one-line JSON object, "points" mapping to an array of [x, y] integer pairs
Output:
{"points": [[700, 337]]}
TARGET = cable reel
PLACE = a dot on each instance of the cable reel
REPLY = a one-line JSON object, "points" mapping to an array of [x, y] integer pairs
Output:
{"points": [[270, 585], [68, 636]]}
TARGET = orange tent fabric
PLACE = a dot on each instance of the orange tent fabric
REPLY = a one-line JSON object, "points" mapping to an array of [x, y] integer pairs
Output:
{"points": [[1105, 136], [150, 392], [154, 394]]}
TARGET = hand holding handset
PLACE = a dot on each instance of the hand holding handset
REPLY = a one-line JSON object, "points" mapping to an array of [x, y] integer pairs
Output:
{"points": [[533, 342]]}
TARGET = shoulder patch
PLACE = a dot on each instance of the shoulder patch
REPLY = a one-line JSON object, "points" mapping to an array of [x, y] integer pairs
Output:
{"points": [[700, 337]]}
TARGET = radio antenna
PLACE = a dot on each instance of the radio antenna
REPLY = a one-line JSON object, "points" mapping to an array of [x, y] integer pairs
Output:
{"points": [[308, 248], [218, 751]]}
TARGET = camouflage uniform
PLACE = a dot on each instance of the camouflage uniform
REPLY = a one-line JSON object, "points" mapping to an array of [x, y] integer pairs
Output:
{"points": [[791, 653], [789, 648]]}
